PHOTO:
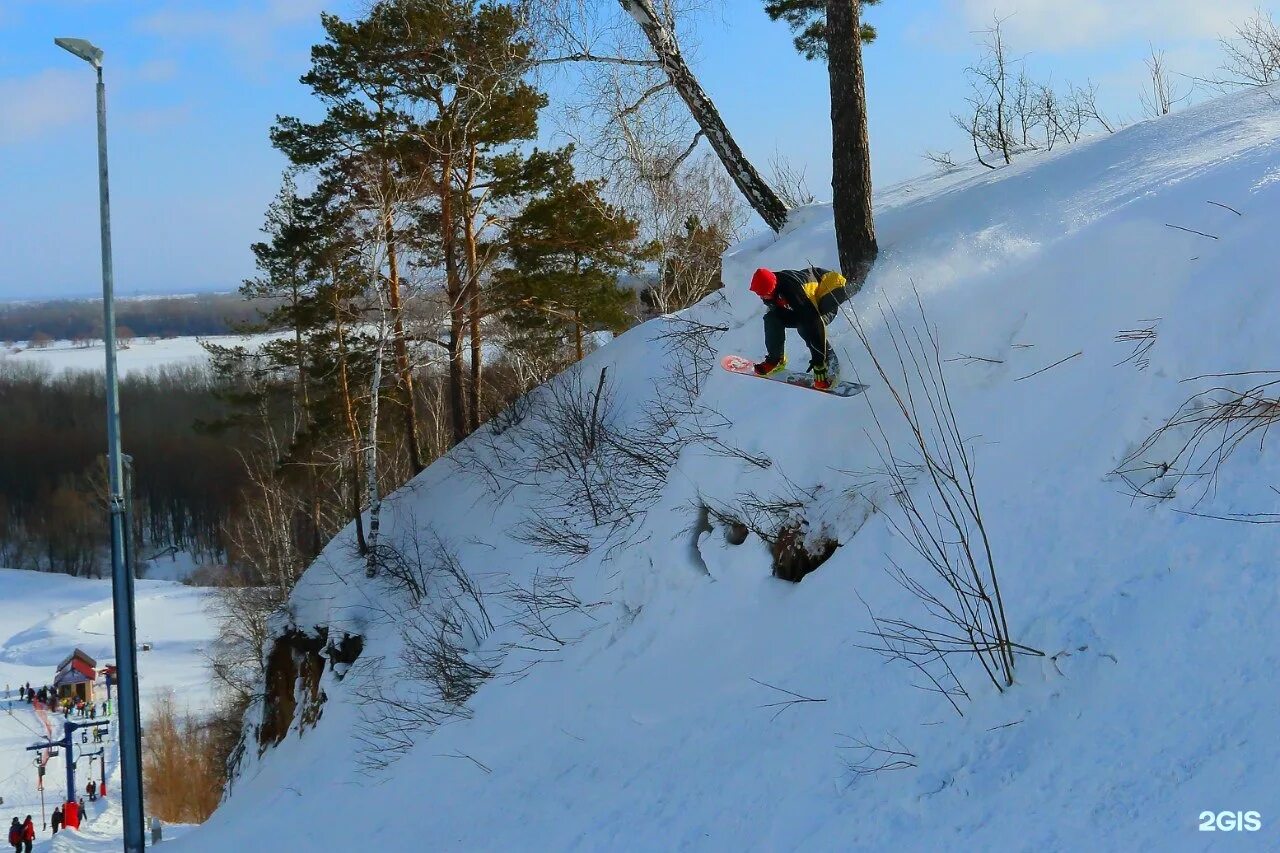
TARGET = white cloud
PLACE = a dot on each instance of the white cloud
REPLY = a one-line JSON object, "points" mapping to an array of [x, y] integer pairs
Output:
{"points": [[247, 31], [35, 105], [1061, 25]]}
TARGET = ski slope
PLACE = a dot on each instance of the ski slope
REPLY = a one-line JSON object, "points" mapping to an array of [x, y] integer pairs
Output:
{"points": [[42, 618], [653, 728]]}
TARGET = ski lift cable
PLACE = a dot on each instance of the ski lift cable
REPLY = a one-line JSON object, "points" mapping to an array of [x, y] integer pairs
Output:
{"points": [[13, 776], [28, 727]]}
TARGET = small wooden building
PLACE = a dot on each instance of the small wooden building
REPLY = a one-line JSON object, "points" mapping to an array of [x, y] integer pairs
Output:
{"points": [[75, 677]]}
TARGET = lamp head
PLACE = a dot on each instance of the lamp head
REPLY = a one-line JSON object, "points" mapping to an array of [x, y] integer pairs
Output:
{"points": [[82, 49]]}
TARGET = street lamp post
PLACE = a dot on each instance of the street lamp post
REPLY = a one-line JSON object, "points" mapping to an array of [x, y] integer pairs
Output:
{"points": [[130, 730]]}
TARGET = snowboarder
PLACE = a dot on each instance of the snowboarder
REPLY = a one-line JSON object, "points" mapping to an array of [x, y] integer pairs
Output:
{"points": [[805, 300], [15, 835], [55, 820], [28, 835]]}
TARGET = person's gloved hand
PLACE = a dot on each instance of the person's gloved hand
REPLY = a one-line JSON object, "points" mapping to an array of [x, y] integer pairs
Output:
{"points": [[830, 282], [821, 380]]}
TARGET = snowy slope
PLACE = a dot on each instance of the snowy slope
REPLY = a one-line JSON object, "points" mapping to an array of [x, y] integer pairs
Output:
{"points": [[649, 729], [42, 618]]}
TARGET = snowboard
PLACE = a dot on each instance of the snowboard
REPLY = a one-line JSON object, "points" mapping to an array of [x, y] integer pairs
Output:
{"points": [[746, 367]]}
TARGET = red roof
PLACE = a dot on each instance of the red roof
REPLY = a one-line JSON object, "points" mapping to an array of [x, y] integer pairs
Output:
{"points": [[77, 654], [75, 667]]}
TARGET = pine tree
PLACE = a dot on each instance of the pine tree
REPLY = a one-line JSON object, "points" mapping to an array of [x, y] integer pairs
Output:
{"points": [[284, 391], [424, 147], [284, 278], [850, 143], [339, 346], [567, 251], [832, 29], [466, 64], [427, 100], [808, 20], [363, 146], [285, 266]]}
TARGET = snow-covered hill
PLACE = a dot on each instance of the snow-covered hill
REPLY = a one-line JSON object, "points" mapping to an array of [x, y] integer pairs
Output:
{"points": [[631, 709]]}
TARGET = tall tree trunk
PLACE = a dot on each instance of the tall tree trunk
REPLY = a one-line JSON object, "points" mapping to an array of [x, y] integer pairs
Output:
{"points": [[474, 307], [403, 367], [371, 459], [353, 429], [457, 375], [404, 371], [757, 191], [302, 423], [577, 330], [477, 363], [850, 144], [455, 292]]}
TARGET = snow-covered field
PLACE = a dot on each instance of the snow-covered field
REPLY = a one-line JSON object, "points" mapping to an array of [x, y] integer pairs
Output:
{"points": [[653, 730], [144, 355], [173, 566], [141, 356], [42, 618]]}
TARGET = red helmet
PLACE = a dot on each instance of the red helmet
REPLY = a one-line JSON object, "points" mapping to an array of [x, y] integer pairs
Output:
{"points": [[764, 283]]}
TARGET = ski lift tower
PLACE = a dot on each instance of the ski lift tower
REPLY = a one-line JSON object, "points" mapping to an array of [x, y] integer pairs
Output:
{"points": [[68, 728]]}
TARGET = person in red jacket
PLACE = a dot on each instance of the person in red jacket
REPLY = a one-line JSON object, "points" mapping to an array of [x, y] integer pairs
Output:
{"points": [[15, 836], [805, 300], [28, 835]]}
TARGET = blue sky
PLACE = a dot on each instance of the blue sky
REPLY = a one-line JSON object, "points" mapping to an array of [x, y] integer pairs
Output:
{"points": [[194, 85]]}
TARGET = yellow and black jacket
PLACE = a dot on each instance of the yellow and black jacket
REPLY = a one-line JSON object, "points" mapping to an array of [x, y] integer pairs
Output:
{"points": [[805, 300]]}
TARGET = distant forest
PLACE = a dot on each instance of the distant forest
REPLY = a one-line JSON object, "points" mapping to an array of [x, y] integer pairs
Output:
{"points": [[164, 317], [52, 474], [187, 472]]}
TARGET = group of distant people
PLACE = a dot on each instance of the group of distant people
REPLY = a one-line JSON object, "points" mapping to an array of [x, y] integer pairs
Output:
{"points": [[81, 708], [31, 695], [22, 835], [70, 707]]}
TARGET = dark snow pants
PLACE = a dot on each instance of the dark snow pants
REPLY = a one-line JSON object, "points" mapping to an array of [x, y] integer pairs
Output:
{"points": [[777, 320]]}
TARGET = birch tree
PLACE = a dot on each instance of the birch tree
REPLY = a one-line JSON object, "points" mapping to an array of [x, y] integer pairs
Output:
{"points": [[572, 31]]}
